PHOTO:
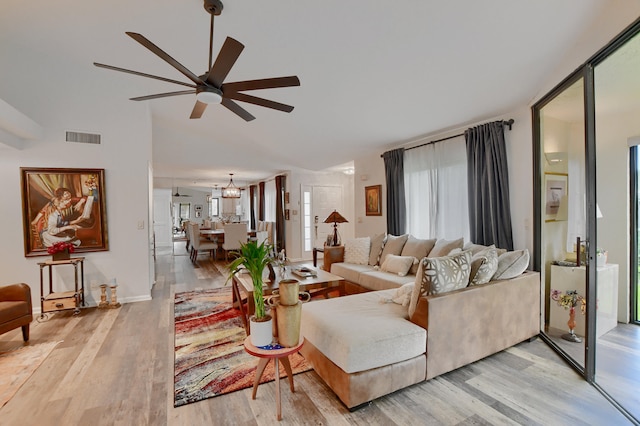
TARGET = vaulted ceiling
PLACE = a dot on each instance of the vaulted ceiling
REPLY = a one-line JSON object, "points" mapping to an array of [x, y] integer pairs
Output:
{"points": [[373, 74]]}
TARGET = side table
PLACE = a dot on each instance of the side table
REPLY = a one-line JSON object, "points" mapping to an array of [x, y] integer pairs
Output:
{"points": [[278, 355], [59, 301]]}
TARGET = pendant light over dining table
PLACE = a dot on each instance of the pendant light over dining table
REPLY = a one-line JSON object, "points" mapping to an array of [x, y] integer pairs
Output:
{"points": [[230, 191]]}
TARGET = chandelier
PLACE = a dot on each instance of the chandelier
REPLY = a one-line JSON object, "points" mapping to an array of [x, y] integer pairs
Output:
{"points": [[230, 191]]}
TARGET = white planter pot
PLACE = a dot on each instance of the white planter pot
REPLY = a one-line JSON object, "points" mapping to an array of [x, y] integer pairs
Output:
{"points": [[261, 332]]}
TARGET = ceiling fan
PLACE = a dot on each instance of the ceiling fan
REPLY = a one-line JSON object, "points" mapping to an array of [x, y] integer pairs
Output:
{"points": [[178, 194], [210, 87]]}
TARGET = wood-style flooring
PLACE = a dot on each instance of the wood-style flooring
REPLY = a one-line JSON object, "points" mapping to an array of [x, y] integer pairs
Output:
{"points": [[115, 367]]}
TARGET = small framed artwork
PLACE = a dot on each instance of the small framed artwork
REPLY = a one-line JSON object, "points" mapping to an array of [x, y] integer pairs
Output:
{"points": [[63, 205], [372, 200], [555, 194]]}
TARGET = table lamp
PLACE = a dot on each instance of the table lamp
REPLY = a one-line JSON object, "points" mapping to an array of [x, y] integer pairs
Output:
{"points": [[336, 218]]}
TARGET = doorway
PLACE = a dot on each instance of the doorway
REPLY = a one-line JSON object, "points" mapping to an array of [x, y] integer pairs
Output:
{"points": [[318, 201]]}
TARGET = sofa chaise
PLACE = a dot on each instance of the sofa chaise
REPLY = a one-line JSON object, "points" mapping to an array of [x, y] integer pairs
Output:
{"points": [[372, 343]]}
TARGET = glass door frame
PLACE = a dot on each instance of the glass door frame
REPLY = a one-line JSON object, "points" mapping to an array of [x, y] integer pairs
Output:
{"points": [[634, 187], [585, 71]]}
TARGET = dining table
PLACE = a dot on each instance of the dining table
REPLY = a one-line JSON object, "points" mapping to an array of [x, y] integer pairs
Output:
{"points": [[217, 235]]}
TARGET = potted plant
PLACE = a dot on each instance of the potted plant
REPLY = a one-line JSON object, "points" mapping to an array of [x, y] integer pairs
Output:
{"points": [[254, 258]]}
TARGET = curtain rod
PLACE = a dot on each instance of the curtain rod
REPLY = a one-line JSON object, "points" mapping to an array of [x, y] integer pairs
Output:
{"points": [[504, 123]]}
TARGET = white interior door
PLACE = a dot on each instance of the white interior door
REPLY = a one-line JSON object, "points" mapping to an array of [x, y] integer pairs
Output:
{"points": [[318, 201]]}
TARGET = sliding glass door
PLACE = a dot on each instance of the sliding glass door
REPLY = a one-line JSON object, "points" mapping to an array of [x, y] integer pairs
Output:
{"points": [[587, 241]]}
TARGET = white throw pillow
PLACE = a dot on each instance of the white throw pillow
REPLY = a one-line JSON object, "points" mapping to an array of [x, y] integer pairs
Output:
{"points": [[511, 264], [398, 264], [356, 250]]}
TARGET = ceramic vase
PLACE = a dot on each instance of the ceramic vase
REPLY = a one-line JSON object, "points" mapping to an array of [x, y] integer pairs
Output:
{"points": [[261, 332]]}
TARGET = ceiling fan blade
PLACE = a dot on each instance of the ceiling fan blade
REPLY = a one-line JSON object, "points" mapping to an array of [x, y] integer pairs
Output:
{"points": [[198, 109], [237, 109], [228, 55], [265, 83], [165, 56], [260, 101], [110, 67], [162, 95]]}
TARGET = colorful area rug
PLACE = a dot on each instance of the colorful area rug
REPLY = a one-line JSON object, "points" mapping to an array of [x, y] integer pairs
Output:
{"points": [[210, 359], [18, 365]]}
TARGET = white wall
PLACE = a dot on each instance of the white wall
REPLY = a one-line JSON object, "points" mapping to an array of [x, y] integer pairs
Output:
{"points": [[369, 171], [124, 154]]}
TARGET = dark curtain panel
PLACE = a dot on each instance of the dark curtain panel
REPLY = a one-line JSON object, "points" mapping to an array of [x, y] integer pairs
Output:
{"points": [[489, 209], [280, 231], [396, 206], [261, 201], [252, 205]]}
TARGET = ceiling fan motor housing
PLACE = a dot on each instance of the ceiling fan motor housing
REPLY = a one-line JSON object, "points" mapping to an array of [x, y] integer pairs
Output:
{"points": [[213, 6]]}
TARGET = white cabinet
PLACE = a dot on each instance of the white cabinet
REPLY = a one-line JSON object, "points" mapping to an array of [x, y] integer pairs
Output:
{"points": [[565, 278]]}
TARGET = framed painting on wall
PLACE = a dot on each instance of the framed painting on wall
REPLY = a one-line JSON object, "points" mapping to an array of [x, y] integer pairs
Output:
{"points": [[372, 200], [555, 187], [63, 205]]}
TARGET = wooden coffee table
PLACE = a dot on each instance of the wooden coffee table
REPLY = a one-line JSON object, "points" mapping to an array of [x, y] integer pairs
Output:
{"points": [[322, 284]]}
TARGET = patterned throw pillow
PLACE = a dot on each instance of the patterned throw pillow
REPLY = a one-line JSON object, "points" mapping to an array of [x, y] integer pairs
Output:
{"points": [[483, 265], [445, 274], [356, 250], [377, 243]]}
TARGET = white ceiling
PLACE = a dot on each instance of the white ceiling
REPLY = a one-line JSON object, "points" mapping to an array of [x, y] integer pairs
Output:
{"points": [[373, 74]]}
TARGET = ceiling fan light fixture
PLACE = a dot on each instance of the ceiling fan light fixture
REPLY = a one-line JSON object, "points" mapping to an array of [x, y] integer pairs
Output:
{"points": [[230, 191], [209, 97]]}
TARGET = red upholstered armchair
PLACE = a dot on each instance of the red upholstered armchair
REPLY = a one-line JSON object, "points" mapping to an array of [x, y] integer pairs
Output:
{"points": [[15, 308]]}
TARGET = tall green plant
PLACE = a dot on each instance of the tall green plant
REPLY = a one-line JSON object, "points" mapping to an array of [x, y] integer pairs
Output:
{"points": [[254, 258]]}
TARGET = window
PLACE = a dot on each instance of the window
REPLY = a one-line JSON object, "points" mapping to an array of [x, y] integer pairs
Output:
{"points": [[435, 178], [214, 206]]}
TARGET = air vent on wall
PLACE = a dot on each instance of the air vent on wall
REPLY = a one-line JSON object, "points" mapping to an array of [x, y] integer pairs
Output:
{"points": [[81, 137]]}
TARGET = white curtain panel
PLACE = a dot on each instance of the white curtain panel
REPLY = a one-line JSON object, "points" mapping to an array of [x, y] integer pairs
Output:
{"points": [[270, 201], [435, 179]]}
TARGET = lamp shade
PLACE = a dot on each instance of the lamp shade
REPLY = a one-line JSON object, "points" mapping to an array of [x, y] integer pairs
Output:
{"points": [[335, 217]]}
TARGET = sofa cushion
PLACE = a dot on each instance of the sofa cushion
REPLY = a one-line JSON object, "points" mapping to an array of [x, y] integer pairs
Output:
{"points": [[380, 280], [511, 264], [444, 247], [358, 333], [441, 275], [484, 265], [398, 264], [417, 248], [349, 271], [356, 250], [376, 249], [393, 244]]}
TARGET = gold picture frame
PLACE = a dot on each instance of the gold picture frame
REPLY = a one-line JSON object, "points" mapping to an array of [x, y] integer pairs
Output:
{"points": [[61, 204], [373, 200]]}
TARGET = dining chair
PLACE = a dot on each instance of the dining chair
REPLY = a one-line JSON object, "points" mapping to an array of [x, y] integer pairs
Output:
{"points": [[199, 244], [235, 234], [261, 237]]}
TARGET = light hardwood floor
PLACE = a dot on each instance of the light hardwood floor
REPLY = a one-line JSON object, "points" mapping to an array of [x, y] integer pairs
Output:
{"points": [[115, 367]]}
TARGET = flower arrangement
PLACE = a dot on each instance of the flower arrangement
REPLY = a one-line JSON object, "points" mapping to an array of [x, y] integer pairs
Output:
{"points": [[570, 299], [91, 182], [60, 247]]}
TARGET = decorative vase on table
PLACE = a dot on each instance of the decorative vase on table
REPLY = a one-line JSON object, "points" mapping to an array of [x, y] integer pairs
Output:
{"points": [[571, 335], [288, 306]]}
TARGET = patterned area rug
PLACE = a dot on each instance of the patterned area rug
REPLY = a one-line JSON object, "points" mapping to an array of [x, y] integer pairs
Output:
{"points": [[18, 365], [209, 354]]}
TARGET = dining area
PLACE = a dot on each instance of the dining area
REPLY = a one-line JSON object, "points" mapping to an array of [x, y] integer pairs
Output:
{"points": [[220, 239]]}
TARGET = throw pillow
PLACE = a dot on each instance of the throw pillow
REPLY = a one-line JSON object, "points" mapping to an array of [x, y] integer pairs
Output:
{"points": [[441, 275], [393, 245], [475, 248], [376, 249], [417, 248], [443, 247], [398, 264], [356, 250], [483, 266], [511, 264]]}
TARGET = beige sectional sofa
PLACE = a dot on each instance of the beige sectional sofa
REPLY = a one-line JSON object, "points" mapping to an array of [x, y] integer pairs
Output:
{"points": [[369, 344]]}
